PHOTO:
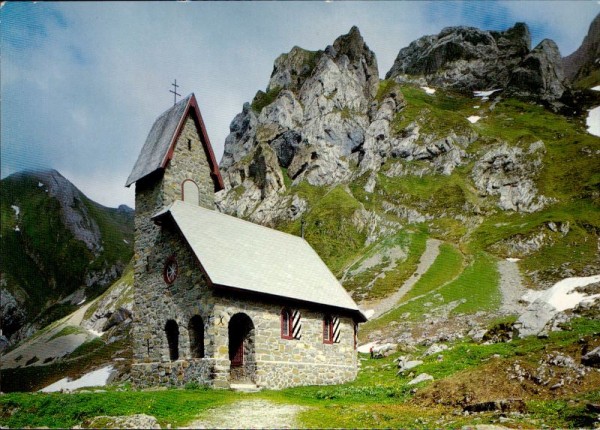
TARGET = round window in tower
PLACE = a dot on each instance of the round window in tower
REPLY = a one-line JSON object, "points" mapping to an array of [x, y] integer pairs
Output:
{"points": [[170, 271]]}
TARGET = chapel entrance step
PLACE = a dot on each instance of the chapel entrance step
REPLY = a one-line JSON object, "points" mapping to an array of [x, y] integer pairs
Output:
{"points": [[245, 387]]}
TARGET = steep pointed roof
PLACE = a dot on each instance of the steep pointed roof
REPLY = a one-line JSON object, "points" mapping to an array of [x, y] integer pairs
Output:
{"points": [[158, 149], [245, 256]]}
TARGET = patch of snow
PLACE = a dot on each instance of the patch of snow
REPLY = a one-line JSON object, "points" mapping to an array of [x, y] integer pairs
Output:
{"points": [[96, 378], [82, 301], [473, 119], [428, 90], [485, 95], [40, 185], [596, 88], [366, 347], [512, 259], [16, 209], [562, 295], [126, 241], [17, 228], [476, 107], [593, 121], [94, 332]]}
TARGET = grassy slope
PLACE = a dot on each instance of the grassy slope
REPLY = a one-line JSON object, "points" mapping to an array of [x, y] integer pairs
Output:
{"points": [[61, 259], [91, 354], [465, 269], [377, 398], [44, 261]]}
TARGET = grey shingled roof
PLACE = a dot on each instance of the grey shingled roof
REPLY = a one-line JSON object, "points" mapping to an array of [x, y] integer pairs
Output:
{"points": [[239, 254], [158, 141]]}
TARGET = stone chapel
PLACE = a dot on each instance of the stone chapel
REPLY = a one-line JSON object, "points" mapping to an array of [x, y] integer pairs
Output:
{"points": [[219, 300]]}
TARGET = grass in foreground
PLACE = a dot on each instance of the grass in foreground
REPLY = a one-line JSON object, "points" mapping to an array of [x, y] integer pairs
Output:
{"points": [[377, 398]]}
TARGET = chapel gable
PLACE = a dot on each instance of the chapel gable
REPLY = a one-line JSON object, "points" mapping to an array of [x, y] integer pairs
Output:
{"points": [[177, 160]]}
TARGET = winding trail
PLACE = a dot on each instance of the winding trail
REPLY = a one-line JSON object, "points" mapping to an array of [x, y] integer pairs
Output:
{"points": [[511, 286], [432, 250], [44, 348], [254, 414]]}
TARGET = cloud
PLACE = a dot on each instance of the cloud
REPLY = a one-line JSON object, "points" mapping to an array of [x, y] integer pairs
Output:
{"points": [[82, 83]]}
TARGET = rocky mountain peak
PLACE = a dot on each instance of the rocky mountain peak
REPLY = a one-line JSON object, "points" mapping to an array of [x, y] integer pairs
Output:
{"points": [[291, 70], [585, 60], [312, 120], [540, 73], [362, 59], [74, 212], [467, 58]]}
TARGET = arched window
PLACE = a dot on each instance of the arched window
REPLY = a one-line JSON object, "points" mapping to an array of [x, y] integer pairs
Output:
{"points": [[327, 329], [172, 332], [190, 192], [196, 331], [286, 324]]}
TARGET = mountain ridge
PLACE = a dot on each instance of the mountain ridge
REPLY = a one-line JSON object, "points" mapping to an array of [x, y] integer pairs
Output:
{"points": [[58, 247]]}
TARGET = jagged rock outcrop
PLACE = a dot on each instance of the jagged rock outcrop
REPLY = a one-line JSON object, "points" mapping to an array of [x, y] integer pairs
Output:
{"points": [[586, 59], [540, 74], [509, 173], [313, 119], [467, 58], [12, 313], [326, 119]]}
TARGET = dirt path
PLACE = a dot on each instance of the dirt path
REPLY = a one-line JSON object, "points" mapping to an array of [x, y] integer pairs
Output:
{"points": [[432, 250], [44, 347], [511, 286], [254, 414]]}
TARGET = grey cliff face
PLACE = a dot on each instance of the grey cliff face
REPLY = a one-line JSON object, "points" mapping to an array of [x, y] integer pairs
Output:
{"points": [[463, 58], [316, 122], [586, 59], [467, 59], [74, 212], [509, 172], [326, 119], [540, 73], [12, 313]]}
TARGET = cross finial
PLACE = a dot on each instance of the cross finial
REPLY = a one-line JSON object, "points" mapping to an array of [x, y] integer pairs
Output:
{"points": [[175, 93]]}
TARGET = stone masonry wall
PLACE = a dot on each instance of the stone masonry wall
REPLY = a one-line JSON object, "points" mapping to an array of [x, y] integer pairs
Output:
{"points": [[152, 302], [277, 362], [281, 362], [189, 164]]}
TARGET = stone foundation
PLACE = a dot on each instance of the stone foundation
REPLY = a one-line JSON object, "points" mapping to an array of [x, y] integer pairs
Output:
{"points": [[278, 375], [206, 371], [176, 373]]}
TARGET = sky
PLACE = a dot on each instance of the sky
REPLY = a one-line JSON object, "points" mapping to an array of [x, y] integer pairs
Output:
{"points": [[82, 82]]}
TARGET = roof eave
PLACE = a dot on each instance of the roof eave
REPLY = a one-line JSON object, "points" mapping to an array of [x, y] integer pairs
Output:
{"points": [[356, 313]]}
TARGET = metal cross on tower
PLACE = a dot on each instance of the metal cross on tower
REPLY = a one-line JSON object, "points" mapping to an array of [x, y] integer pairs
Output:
{"points": [[175, 93]]}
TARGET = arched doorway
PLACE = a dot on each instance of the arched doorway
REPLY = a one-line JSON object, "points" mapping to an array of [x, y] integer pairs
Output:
{"points": [[241, 348], [172, 332], [196, 331]]}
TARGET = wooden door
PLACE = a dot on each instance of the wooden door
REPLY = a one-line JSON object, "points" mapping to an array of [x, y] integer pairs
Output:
{"points": [[238, 356]]}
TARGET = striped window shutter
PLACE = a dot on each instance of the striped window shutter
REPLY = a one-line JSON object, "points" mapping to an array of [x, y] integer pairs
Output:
{"points": [[296, 324], [336, 329]]}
